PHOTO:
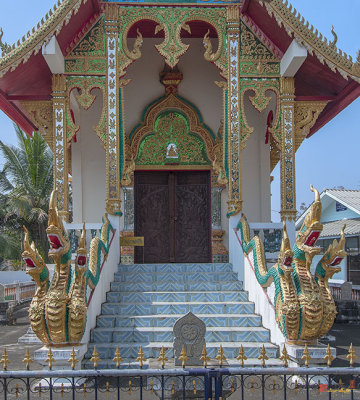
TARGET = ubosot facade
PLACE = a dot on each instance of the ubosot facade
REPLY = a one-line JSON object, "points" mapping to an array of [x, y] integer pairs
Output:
{"points": [[169, 118]]}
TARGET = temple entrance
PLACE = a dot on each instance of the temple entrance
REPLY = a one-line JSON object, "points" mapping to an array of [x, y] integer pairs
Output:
{"points": [[173, 213]]}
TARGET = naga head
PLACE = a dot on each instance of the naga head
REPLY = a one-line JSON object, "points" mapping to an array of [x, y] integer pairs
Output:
{"points": [[286, 254], [33, 260], [311, 227], [334, 254], [57, 236], [81, 255]]}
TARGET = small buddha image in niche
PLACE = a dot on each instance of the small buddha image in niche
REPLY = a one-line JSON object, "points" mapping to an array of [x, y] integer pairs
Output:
{"points": [[171, 151]]}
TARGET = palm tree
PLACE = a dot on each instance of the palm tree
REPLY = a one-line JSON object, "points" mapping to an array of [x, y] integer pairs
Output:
{"points": [[25, 185]]}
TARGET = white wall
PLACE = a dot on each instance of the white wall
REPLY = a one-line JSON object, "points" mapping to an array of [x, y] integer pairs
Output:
{"points": [[88, 166]]}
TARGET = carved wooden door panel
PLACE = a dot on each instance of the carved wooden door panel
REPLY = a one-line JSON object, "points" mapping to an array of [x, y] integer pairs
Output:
{"points": [[173, 213]]}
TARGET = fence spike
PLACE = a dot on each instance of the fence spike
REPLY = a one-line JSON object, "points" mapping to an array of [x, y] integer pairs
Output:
{"points": [[204, 358], [117, 359], [107, 387], [141, 357], [306, 356], [232, 387], [95, 358], [62, 390], [241, 357], [129, 391], [285, 357], [329, 357], [263, 357], [220, 357], [172, 387], [151, 386], [73, 360], [183, 357], [50, 359], [194, 386], [5, 359], [162, 357], [351, 356], [27, 360]]}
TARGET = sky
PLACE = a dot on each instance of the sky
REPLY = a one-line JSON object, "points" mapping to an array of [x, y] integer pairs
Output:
{"points": [[328, 159]]}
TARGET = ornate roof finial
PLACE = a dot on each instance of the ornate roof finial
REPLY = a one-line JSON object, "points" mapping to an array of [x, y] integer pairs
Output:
{"points": [[333, 43]]}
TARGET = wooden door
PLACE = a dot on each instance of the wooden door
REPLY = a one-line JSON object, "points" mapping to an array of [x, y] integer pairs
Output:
{"points": [[173, 213]]}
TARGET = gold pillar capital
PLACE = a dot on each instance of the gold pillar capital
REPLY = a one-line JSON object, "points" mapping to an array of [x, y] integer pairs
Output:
{"points": [[58, 83], [111, 12], [287, 86], [233, 14]]}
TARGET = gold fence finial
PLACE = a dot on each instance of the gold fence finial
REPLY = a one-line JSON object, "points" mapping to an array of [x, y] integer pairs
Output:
{"points": [[329, 357], [241, 357], [263, 357], [162, 357], [5, 360], [73, 360], [351, 356], [95, 358], [50, 359], [221, 357], [183, 357], [117, 359], [27, 360], [204, 358], [306, 356], [141, 357], [285, 357]]}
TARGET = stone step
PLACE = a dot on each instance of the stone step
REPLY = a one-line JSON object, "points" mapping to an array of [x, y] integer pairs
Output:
{"points": [[144, 286], [129, 351], [232, 362], [215, 267], [177, 277], [196, 307], [148, 297], [168, 320], [165, 334]]}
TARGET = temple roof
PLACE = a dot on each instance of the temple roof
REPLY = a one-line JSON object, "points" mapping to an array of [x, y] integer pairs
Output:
{"points": [[327, 73]]}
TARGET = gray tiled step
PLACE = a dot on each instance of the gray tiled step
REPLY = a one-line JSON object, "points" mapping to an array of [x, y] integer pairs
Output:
{"points": [[217, 320], [165, 334], [178, 277], [215, 267], [232, 362], [196, 307], [146, 297], [152, 349], [175, 286]]}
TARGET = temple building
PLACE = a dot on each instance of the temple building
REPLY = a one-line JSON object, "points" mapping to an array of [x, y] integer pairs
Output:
{"points": [[170, 117]]}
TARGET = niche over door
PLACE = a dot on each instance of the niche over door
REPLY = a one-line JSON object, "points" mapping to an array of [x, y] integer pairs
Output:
{"points": [[173, 213]]}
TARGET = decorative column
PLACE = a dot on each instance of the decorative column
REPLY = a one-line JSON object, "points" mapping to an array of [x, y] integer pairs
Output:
{"points": [[287, 162], [113, 202], [60, 144], [234, 153]]}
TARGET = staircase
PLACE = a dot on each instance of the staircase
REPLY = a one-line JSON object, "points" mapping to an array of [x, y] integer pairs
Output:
{"points": [[145, 301]]}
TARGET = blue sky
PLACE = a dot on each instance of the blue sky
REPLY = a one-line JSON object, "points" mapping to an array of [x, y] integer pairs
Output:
{"points": [[328, 159]]}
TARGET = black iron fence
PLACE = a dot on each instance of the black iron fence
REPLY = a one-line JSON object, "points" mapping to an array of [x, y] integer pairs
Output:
{"points": [[184, 383]]}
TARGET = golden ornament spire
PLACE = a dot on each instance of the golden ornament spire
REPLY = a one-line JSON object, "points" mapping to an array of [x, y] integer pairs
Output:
{"points": [[351, 356], [27, 360], [5, 359], [220, 357], [117, 359], [162, 357], [50, 359], [204, 358], [95, 358], [285, 357], [329, 357], [306, 356], [73, 360], [263, 357], [183, 357], [241, 357], [141, 357]]}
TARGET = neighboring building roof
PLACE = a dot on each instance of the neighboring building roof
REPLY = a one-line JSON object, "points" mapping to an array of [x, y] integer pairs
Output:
{"points": [[350, 198], [333, 229], [8, 277]]}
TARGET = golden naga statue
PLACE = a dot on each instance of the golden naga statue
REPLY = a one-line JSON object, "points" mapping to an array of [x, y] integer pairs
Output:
{"points": [[58, 311], [304, 306]]}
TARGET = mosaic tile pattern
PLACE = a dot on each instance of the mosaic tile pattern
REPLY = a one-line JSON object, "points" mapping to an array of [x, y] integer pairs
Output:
{"points": [[146, 300]]}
